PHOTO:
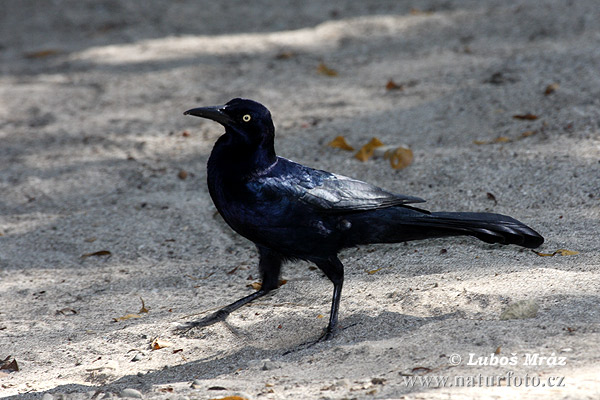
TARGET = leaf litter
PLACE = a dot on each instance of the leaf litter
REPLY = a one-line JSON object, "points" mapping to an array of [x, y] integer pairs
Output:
{"points": [[560, 252]]}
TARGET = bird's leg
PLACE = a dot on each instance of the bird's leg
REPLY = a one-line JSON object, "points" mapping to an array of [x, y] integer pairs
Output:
{"points": [[334, 269], [269, 266]]}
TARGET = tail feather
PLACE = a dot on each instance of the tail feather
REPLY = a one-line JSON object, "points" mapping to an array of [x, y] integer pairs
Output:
{"points": [[491, 228], [398, 225]]}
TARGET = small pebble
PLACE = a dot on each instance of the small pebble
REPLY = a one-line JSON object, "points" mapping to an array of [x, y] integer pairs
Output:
{"points": [[197, 384], [47, 396]]}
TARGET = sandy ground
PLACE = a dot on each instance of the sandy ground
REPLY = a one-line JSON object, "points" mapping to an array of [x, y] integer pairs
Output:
{"points": [[92, 144]]}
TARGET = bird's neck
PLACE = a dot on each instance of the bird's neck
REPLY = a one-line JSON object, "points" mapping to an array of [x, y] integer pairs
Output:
{"points": [[231, 158]]}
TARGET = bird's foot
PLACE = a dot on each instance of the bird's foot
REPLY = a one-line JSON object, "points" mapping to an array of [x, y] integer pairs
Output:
{"points": [[212, 319]]}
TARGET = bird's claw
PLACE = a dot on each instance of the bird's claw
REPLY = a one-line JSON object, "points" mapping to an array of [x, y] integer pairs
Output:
{"points": [[202, 323]]}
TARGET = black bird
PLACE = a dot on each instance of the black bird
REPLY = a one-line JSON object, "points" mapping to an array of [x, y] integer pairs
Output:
{"points": [[291, 211]]}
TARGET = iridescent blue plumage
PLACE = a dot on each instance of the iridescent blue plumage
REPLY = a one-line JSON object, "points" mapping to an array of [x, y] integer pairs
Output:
{"points": [[292, 211]]}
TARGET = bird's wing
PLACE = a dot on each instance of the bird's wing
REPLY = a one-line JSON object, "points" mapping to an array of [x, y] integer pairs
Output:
{"points": [[326, 191], [340, 193]]}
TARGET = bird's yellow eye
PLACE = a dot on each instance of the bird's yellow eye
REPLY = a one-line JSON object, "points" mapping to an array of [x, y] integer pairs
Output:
{"points": [[246, 118]]}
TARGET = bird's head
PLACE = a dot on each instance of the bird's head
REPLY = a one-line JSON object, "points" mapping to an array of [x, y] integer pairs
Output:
{"points": [[246, 120]]}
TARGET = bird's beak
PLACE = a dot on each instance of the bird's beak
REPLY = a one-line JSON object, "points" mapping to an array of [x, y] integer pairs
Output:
{"points": [[215, 113]]}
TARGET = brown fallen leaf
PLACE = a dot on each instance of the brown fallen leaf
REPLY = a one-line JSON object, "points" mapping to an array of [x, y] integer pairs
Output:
{"points": [[285, 55], [66, 311], [551, 88], [490, 196], [9, 364], [340, 143], [42, 53], [416, 11], [400, 157], [505, 139], [255, 285], [423, 370], [320, 316], [143, 309], [528, 133], [258, 285], [97, 254], [182, 174], [368, 149], [526, 117], [498, 350], [158, 344], [126, 317], [560, 252], [501, 139], [391, 85], [374, 271], [325, 70]]}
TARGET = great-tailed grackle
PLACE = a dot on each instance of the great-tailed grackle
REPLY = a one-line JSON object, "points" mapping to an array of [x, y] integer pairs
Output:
{"points": [[291, 211]]}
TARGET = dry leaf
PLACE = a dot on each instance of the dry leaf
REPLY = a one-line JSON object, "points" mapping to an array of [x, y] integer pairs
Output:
{"points": [[258, 285], [255, 285], [9, 363], [325, 70], [391, 85], [400, 157], [43, 53], [182, 174], [373, 271], [416, 11], [497, 350], [97, 254], [551, 88], [66, 311], [158, 344], [560, 252], [490, 196], [423, 370], [143, 309], [528, 133], [285, 55], [368, 149], [340, 143], [320, 316], [504, 139], [527, 117], [126, 317]]}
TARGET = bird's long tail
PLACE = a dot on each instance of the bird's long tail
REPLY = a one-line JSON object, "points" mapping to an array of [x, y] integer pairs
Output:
{"points": [[398, 225]]}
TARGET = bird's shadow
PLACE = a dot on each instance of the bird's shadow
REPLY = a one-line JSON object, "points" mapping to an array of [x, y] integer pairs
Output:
{"points": [[354, 329]]}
